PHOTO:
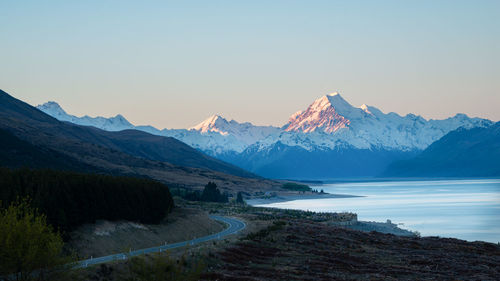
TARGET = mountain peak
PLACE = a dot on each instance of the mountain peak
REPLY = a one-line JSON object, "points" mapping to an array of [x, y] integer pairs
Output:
{"points": [[51, 105], [336, 99], [121, 118], [119, 122], [53, 109], [214, 118], [116, 123], [331, 100], [328, 114], [210, 124]]}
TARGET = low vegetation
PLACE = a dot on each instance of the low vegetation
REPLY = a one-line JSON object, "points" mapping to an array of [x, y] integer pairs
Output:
{"points": [[162, 267], [155, 267], [305, 250], [268, 214], [297, 245], [71, 199], [295, 186]]}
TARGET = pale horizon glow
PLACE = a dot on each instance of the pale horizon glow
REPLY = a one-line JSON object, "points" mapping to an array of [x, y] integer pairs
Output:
{"points": [[174, 64]]}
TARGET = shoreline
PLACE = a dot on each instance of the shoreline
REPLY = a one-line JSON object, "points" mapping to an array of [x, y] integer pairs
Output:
{"points": [[365, 226], [292, 197], [388, 179]]}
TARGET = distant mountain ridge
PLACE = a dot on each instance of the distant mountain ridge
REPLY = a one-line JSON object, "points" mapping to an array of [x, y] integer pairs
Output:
{"points": [[330, 125], [117, 123], [129, 152], [473, 152]]}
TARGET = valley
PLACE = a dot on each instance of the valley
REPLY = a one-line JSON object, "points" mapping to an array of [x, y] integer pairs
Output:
{"points": [[111, 190], [249, 140]]}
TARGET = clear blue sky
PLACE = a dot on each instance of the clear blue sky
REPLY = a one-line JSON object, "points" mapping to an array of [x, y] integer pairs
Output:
{"points": [[174, 63]]}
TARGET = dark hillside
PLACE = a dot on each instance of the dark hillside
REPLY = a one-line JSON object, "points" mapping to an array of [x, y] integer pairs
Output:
{"points": [[461, 153], [16, 153], [119, 153], [32, 125]]}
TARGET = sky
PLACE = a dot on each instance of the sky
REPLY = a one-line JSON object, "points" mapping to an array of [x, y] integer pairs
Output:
{"points": [[172, 64]]}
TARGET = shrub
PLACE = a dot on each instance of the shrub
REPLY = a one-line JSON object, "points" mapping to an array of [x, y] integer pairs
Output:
{"points": [[162, 267], [29, 248]]}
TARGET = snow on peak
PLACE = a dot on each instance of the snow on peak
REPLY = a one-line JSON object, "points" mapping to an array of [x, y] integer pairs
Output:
{"points": [[242, 132], [51, 106], [330, 122], [334, 94], [53, 109], [117, 123], [294, 116], [367, 109], [213, 118], [214, 123], [327, 114], [118, 120]]}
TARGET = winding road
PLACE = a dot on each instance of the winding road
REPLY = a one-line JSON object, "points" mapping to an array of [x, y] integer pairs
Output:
{"points": [[235, 226]]}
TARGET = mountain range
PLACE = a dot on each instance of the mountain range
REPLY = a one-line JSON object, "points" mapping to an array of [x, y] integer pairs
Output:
{"points": [[473, 152], [33, 138], [329, 139]]}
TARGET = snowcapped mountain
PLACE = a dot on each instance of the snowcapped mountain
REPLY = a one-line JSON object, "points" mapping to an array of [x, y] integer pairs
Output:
{"points": [[331, 122], [215, 135], [325, 114], [117, 123], [246, 133], [330, 138]]}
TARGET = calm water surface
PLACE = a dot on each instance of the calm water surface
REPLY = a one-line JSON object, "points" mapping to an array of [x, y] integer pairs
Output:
{"points": [[464, 209]]}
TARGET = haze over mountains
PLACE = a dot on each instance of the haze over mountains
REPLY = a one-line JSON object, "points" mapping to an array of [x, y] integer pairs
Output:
{"points": [[330, 138]]}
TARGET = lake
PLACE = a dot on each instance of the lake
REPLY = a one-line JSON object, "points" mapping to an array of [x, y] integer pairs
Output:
{"points": [[464, 209]]}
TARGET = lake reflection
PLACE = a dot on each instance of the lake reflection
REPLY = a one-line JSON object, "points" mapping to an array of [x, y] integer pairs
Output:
{"points": [[464, 209]]}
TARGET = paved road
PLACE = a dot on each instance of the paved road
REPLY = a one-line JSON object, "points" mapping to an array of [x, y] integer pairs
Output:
{"points": [[234, 226]]}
